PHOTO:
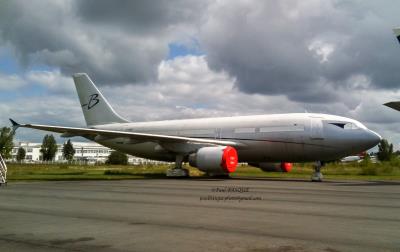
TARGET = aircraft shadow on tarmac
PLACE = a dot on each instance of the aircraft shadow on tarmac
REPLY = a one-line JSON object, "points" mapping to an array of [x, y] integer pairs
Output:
{"points": [[224, 178], [336, 183], [369, 183], [227, 178]]}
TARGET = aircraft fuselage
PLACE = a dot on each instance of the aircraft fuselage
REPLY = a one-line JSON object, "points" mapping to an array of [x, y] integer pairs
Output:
{"points": [[297, 137]]}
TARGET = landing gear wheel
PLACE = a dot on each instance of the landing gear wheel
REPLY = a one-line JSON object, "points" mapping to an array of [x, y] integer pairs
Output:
{"points": [[177, 173], [317, 175]]}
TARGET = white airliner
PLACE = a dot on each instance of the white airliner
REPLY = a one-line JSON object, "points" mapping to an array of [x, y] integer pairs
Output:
{"points": [[216, 145]]}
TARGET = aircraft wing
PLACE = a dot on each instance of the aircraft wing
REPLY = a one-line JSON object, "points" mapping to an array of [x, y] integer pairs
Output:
{"points": [[394, 105], [144, 137]]}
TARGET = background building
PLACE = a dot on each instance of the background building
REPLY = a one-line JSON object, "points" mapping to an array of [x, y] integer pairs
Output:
{"points": [[88, 152]]}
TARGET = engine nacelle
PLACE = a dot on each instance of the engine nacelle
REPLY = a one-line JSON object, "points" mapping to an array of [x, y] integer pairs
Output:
{"points": [[215, 160], [274, 167]]}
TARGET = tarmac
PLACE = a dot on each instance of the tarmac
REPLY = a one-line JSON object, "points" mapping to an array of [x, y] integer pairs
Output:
{"points": [[200, 215]]}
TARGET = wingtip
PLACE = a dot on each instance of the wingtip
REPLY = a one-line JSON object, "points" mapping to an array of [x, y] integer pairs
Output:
{"points": [[393, 105], [14, 123]]}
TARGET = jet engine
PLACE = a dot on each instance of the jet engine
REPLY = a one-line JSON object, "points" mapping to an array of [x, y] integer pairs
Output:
{"points": [[215, 160], [274, 167]]}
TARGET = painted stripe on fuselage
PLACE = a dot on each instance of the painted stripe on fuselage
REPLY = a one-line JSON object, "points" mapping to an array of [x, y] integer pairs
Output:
{"points": [[266, 140], [261, 140]]}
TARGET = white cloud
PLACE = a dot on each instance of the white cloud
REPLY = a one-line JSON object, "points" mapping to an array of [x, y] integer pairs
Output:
{"points": [[43, 109], [11, 82], [54, 81], [188, 88], [322, 50]]}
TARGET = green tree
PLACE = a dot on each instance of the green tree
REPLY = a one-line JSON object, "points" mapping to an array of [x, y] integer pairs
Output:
{"points": [[21, 154], [68, 150], [6, 142], [49, 148], [385, 152], [117, 157]]}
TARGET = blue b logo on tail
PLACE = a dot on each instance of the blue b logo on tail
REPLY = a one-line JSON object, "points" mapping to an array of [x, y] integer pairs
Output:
{"points": [[92, 101]]}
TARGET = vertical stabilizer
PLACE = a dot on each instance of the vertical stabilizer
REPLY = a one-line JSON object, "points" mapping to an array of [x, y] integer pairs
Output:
{"points": [[95, 107]]}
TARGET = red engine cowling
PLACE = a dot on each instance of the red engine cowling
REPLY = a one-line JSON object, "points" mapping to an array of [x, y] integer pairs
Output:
{"points": [[286, 167], [215, 160], [274, 167]]}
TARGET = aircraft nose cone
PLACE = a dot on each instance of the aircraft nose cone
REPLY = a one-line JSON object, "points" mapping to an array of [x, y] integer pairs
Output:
{"points": [[377, 137], [373, 138]]}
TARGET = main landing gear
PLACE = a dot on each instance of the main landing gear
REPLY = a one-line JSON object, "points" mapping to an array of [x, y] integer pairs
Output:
{"points": [[317, 175], [178, 171]]}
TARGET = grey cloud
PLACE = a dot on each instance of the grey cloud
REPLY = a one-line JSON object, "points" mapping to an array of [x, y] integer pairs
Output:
{"points": [[302, 49], [97, 37], [267, 46], [265, 56], [141, 16]]}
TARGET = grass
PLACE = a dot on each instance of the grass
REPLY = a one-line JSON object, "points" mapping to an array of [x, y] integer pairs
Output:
{"points": [[359, 171], [26, 172]]}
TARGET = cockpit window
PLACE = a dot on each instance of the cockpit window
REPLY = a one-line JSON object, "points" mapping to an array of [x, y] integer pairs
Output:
{"points": [[341, 125], [346, 125], [350, 126]]}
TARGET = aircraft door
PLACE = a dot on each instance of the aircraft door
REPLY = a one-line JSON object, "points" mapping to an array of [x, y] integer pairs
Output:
{"points": [[316, 128]]}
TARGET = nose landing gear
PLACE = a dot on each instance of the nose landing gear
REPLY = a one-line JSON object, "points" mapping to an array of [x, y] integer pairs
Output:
{"points": [[317, 175]]}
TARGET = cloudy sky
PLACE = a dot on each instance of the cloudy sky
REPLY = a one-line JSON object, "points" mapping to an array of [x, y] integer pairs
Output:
{"points": [[173, 59]]}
